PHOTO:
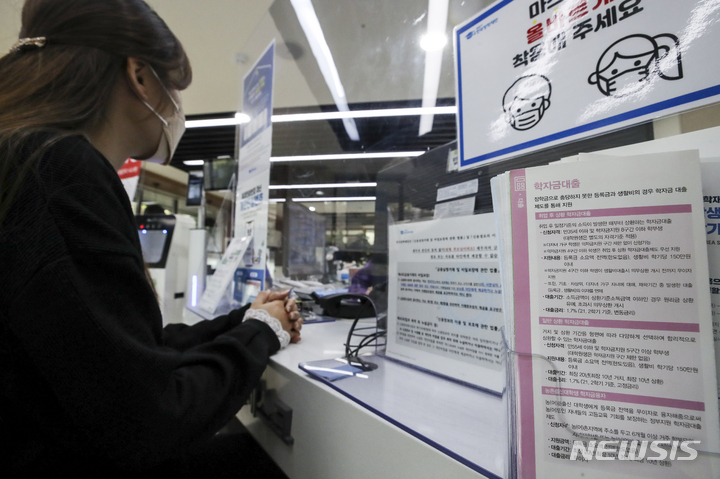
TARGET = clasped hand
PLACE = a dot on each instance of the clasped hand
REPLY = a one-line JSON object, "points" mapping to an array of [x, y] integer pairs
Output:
{"points": [[282, 307]]}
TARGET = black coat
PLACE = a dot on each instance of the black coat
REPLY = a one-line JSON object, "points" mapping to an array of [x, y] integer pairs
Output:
{"points": [[87, 372]]}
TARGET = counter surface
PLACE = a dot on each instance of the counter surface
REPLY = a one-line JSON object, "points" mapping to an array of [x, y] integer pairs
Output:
{"points": [[398, 422]]}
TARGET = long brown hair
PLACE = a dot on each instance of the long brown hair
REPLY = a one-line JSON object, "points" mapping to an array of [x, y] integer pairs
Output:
{"points": [[65, 86]]}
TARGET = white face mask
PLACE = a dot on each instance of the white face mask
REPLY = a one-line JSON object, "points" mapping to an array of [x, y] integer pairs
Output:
{"points": [[173, 130]]}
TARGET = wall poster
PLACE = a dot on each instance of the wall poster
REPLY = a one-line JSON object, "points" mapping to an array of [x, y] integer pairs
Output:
{"points": [[563, 70]]}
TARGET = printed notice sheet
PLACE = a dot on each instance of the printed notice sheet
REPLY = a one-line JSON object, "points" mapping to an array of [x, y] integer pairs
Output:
{"points": [[218, 283], [711, 202], [610, 273], [445, 302]]}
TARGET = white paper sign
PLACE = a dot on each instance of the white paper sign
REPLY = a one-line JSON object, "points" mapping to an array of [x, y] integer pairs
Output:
{"points": [[251, 219], [610, 274], [455, 191], [452, 209], [218, 283], [711, 203], [445, 302], [252, 195], [536, 73]]}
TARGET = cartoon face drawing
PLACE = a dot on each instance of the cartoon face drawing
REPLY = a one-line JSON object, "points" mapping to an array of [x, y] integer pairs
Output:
{"points": [[629, 64], [526, 101]]}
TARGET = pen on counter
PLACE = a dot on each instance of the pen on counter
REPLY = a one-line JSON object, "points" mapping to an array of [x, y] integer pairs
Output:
{"points": [[297, 301]]}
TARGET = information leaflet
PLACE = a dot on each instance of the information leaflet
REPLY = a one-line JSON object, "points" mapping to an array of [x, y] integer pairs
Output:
{"points": [[445, 302], [251, 218], [710, 169], [218, 283], [711, 202], [610, 274]]}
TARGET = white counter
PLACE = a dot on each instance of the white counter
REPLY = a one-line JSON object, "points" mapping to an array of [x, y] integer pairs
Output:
{"points": [[397, 423]]}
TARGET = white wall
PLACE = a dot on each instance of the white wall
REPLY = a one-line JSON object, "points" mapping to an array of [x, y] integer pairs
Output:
{"points": [[212, 31], [9, 23]]}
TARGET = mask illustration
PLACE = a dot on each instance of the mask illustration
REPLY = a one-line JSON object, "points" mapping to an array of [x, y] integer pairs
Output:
{"points": [[526, 101], [630, 64]]}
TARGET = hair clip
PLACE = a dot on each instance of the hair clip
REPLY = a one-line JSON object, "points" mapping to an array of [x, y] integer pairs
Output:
{"points": [[29, 43]]}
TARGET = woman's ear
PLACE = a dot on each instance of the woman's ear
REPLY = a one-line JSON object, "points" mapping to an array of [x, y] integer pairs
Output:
{"points": [[137, 75]]}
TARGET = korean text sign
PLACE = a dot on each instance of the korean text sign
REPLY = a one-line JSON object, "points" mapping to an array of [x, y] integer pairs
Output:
{"points": [[536, 73], [258, 95]]}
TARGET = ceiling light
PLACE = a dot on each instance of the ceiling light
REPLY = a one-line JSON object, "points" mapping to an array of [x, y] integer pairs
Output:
{"points": [[211, 123], [242, 118], [349, 198], [312, 208], [387, 112], [194, 162], [316, 38], [277, 200], [432, 42], [347, 156], [323, 185]]}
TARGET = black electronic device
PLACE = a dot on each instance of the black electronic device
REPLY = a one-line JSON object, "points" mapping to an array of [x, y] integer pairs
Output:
{"points": [[194, 190], [345, 305], [156, 234]]}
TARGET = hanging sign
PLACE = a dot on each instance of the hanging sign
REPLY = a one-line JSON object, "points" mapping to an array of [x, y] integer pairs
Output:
{"points": [[252, 196], [536, 73], [256, 135], [218, 283]]}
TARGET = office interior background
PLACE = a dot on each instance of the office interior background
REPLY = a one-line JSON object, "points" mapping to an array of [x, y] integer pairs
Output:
{"points": [[360, 86], [330, 56]]}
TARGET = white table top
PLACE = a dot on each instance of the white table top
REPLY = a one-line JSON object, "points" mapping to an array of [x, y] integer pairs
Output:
{"points": [[464, 423]]}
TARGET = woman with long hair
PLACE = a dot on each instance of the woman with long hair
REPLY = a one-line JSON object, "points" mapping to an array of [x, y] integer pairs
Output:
{"points": [[90, 382]]}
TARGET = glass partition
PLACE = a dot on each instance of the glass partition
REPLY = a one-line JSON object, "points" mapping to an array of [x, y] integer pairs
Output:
{"points": [[359, 87]]}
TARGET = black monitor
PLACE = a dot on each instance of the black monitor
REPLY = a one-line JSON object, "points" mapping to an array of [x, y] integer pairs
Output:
{"points": [[194, 191], [412, 185], [303, 241], [218, 173]]}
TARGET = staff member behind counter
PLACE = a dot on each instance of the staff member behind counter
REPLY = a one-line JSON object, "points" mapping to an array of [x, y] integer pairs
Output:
{"points": [[90, 382]]}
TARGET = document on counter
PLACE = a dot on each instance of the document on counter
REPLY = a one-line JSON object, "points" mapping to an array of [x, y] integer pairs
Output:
{"points": [[445, 303], [609, 286]]}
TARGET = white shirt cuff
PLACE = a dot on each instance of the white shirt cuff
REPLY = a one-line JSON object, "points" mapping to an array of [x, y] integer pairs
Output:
{"points": [[274, 323]]}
